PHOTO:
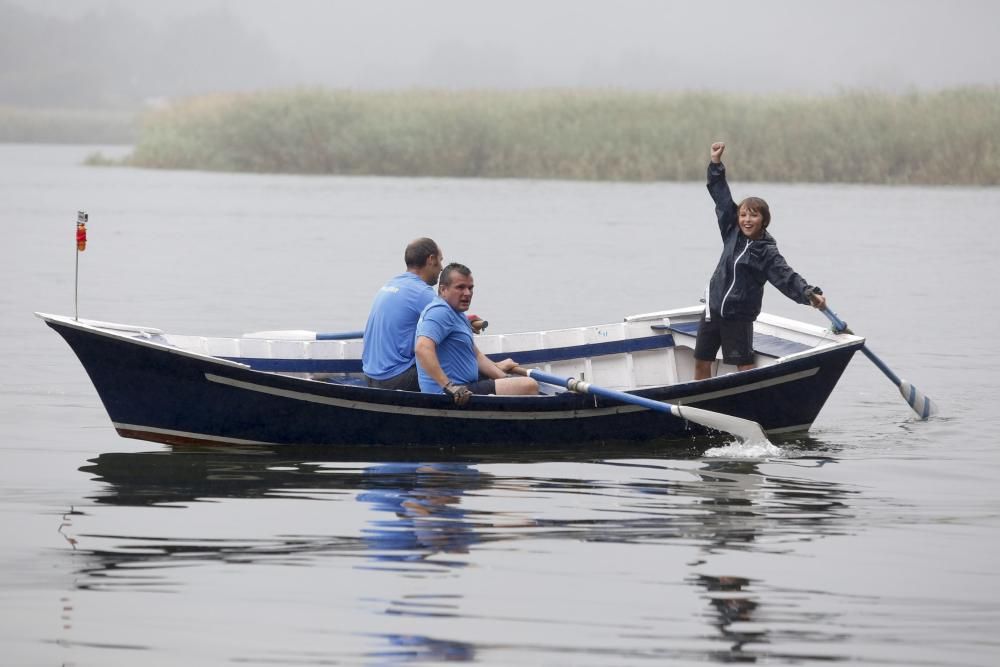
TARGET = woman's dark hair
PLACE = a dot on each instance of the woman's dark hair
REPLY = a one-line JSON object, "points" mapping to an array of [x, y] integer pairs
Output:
{"points": [[758, 205]]}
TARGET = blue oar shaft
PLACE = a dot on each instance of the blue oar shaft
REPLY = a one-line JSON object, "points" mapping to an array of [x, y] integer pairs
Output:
{"points": [[881, 365], [921, 404], [340, 335], [748, 430], [839, 326], [587, 388]]}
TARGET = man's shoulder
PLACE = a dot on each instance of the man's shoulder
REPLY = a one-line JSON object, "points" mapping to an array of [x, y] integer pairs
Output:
{"points": [[408, 279], [437, 308], [433, 310], [411, 285], [441, 312], [436, 319]]}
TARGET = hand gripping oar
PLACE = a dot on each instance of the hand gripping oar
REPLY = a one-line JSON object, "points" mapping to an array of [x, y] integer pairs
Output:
{"points": [[920, 403], [749, 431]]}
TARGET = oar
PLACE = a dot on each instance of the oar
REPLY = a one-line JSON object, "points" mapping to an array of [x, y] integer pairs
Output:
{"points": [[749, 431], [920, 403]]}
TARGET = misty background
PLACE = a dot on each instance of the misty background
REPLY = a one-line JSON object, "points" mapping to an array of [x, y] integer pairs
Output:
{"points": [[118, 55]]}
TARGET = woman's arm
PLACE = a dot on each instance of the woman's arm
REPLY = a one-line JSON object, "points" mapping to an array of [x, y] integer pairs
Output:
{"points": [[791, 284], [725, 207]]}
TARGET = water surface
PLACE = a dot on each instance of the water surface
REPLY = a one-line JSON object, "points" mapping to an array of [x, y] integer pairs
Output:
{"points": [[870, 540]]}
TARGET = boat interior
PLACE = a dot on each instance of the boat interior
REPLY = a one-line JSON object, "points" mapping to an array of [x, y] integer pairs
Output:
{"points": [[645, 350]]}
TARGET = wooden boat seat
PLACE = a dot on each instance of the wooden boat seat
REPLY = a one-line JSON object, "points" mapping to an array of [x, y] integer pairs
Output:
{"points": [[763, 344]]}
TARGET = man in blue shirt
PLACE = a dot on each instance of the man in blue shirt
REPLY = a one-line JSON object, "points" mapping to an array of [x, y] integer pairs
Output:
{"points": [[448, 360], [387, 359]]}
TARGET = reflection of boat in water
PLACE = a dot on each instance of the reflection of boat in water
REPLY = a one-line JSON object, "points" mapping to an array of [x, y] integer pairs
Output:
{"points": [[416, 507], [737, 502], [279, 388], [188, 473], [424, 518], [185, 475]]}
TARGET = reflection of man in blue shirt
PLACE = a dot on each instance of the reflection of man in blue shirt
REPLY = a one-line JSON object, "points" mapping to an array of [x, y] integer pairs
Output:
{"points": [[448, 360], [424, 500], [387, 358]]}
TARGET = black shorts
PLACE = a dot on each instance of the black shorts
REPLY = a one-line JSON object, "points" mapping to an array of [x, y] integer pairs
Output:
{"points": [[407, 381], [483, 387], [734, 336]]}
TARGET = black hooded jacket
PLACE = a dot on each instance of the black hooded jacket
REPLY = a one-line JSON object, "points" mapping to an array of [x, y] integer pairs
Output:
{"points": [[737, 286]]}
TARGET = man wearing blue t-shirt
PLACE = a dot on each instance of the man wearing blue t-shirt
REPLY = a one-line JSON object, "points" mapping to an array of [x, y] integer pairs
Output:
{"points": [[448, 360], [387, 358]]}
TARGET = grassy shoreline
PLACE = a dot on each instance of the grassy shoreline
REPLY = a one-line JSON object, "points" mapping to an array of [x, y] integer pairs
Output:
{"points": [[950, 137]]}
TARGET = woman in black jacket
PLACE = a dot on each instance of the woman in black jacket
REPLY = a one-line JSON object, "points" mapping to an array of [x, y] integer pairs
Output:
{"points": [[750, 258]]}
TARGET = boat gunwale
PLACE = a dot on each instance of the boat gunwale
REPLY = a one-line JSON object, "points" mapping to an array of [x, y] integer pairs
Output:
{"points": [[829, 343]]}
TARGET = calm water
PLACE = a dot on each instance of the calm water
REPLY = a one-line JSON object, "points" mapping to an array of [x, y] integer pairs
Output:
{"points": [[873, 540]]}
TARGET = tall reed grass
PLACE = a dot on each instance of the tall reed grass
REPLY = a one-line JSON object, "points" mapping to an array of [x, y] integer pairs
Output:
{"points": [[946, 137]]}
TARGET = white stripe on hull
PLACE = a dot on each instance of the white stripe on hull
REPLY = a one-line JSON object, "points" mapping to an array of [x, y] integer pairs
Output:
{"points": [[452, 413]]}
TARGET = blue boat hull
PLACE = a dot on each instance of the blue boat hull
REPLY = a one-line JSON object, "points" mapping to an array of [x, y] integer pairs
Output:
{"points": [[154, 392]]}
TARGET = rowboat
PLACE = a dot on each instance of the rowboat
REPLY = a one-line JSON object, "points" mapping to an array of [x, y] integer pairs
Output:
{"points": [[306, 388]]}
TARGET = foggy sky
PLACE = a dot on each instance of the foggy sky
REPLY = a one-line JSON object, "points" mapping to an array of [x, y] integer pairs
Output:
{"points": [[726, 45]]}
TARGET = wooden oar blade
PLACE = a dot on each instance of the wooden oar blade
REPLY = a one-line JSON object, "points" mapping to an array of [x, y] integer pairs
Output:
{"points": [[921, 403], [749, 431]]}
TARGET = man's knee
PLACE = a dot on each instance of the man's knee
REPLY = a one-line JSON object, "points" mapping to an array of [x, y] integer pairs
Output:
{"points": [[516, 386]]}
